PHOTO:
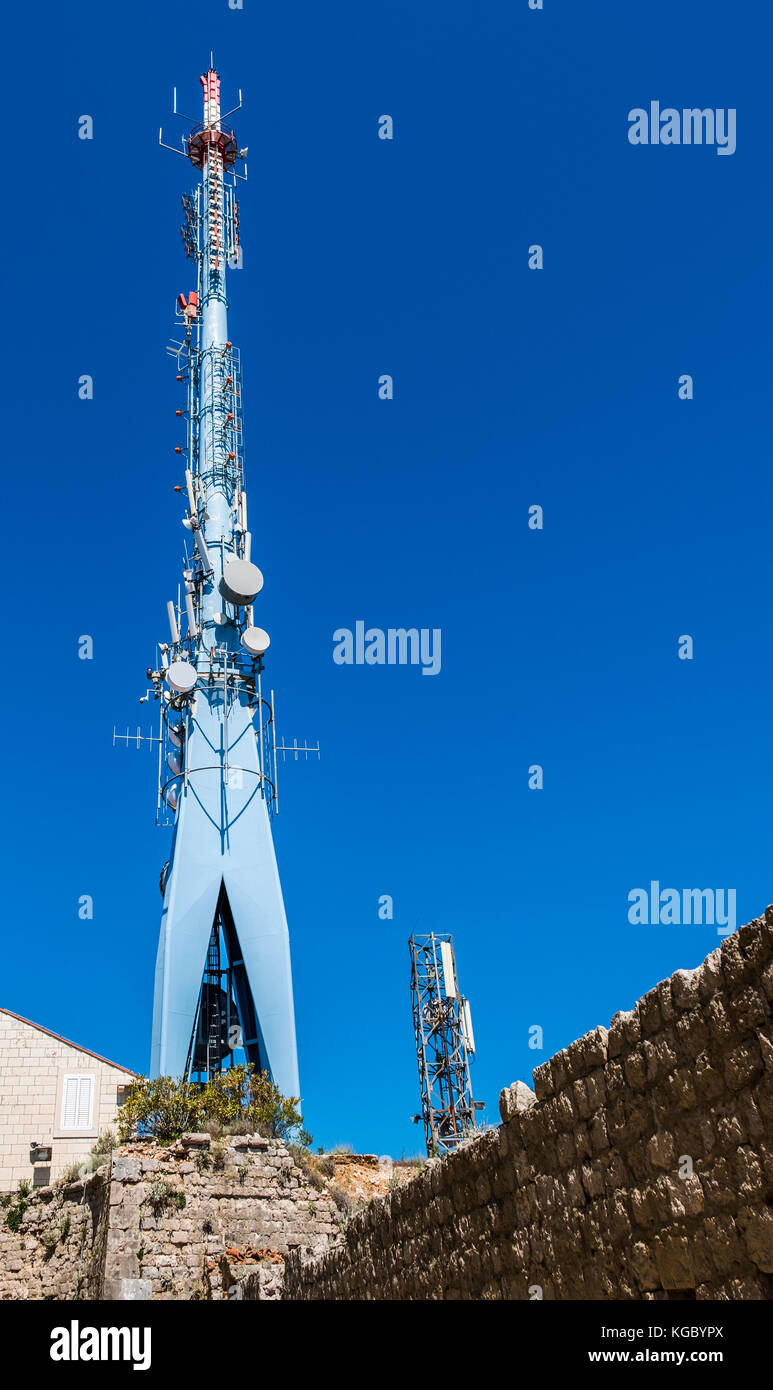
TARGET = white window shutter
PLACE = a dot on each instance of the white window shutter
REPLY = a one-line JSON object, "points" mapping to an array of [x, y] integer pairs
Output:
{"points": [[77, 1101], [85, 1102], [69, 1102]]}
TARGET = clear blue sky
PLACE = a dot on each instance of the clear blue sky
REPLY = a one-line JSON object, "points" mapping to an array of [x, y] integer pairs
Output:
{"points": [[512, 387]]}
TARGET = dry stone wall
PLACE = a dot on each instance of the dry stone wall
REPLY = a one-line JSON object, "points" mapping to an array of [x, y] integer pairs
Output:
{"points": [[640, 1168], [196, 1220], [58, 1251], [199, 1219]]}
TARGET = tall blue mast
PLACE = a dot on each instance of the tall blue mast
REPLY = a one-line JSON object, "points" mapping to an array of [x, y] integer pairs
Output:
{"points": [[223, 987]]}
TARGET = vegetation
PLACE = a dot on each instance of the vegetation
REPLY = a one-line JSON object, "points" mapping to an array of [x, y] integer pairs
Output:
{"points": [[161, 1194], [237, 1101], [17, 1208], [345, 1210], [102, 1150], [312, 1167]]}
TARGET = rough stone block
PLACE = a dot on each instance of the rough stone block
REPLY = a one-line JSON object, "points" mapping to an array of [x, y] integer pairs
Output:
{"points": [[756, 1227], [742, 1065], [710, 975], [133, 1290], [616, 1037], [543, 1081], [126, 1170], [661, 1150], [515, 1098]]}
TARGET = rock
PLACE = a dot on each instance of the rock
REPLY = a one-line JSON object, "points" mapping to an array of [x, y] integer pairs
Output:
{"points": [[515, 1098], [131, 1290], [660, 1150], [126, 1170], [766, 1048]]}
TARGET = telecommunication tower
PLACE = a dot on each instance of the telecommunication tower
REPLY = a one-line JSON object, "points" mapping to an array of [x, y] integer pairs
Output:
{"points": [[444, 1043], [223, 987]]}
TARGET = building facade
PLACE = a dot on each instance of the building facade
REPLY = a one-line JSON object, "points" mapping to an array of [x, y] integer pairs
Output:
{"points": [[56, 1098]]}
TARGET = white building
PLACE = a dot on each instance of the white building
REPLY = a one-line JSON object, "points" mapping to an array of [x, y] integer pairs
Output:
{"points": [[55, 1099]]}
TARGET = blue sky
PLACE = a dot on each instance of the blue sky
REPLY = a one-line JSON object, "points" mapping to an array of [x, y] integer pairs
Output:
{"points": [[512, 387]]}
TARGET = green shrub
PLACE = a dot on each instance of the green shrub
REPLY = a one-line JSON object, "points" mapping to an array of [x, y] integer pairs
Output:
{"points": [[18, 1207], [235, 1101]]}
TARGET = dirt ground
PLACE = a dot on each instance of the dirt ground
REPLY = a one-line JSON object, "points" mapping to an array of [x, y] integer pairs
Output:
{"points": [[362, 1176]]}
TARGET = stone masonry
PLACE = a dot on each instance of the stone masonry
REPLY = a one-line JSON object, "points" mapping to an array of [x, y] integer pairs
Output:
{"points": [[59, 1250], [195, 1220], [642, 1168], [200, 1219]]}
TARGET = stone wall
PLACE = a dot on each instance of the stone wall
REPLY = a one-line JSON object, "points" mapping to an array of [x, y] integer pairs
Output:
{"points": [[197, 1220], [642, 1168], [58, 1251]]}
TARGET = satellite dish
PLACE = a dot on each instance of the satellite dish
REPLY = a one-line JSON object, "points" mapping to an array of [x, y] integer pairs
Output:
{"points": [[242, 582], [171, 795], [176, 734], [173, 761], [255, 641], [182, 677]]}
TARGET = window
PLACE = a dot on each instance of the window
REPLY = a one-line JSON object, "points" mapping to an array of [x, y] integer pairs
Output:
{"points": [[77, 1101]]}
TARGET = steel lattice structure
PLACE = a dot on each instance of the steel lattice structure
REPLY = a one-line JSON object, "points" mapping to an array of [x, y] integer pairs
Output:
{"points": [[444, 1043]]}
